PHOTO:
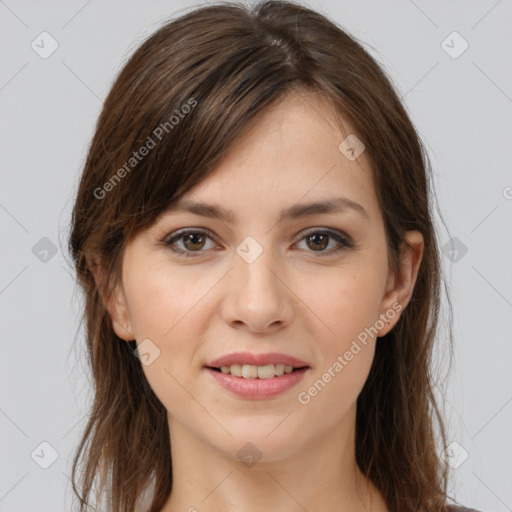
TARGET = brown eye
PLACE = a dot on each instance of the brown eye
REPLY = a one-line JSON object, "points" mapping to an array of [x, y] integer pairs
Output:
{"points": [[318, 240], [192, 241]]}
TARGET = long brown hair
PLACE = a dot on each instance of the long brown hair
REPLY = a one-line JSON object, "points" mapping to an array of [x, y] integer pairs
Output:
{"points": [[186, 94]]}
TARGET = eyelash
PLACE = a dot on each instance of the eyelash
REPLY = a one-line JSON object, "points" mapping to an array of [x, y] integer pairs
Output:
{"points": [[345, 242]]}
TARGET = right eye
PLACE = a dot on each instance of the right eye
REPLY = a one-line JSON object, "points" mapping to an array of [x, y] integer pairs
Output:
{"points": [[193, 241]]}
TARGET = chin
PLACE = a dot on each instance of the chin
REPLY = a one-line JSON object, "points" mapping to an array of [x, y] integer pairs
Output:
{"points": [[266, 439]]}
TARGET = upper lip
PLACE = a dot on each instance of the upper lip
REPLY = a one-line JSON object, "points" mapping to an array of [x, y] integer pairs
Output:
{"points": [[256, 360]]}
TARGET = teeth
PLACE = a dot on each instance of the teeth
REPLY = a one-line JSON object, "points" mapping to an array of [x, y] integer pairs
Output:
{"points": [[235, 369], [279, 369], [249, 371], [266, 372]]}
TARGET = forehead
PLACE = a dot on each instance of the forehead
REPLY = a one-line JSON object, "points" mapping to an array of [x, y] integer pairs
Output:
{"points": [[288, 156]]}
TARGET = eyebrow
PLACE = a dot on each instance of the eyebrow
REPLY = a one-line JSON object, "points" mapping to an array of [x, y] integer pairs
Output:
{"points": [[334, 205]]}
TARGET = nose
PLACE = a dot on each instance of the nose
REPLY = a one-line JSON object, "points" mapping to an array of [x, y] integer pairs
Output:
{"points": [[257, 296]]}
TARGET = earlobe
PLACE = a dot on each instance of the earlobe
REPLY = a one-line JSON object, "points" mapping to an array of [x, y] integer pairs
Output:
{"points": [[400, 287], [114, 301]]}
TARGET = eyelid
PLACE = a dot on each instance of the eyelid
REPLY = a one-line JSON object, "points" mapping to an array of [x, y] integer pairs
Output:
{"points": [[180, 233], [335, 233], [345, 242]]}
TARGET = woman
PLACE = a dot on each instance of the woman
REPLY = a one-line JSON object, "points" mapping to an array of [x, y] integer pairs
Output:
{"points": [[254, 238]]}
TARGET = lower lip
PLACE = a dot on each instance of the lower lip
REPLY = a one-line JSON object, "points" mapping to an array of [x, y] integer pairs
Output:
{"points": [[258, 388]]}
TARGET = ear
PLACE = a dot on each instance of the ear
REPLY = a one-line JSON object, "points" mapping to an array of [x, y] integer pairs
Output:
{"points": [[400, 286], [114, 299]]}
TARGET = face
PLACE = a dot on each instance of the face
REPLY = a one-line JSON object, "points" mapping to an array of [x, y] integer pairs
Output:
{"points": [[314, 287]]}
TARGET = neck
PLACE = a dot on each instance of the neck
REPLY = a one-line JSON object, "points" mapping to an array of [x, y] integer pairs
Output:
{"points": [[315, 477]]}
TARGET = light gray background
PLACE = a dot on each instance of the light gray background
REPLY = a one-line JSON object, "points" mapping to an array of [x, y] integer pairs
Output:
{"points": [[462, 108]]}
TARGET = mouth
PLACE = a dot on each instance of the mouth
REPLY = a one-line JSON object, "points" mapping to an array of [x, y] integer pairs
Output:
{"points": [[257, 382], [257, 376], [249, 371]]}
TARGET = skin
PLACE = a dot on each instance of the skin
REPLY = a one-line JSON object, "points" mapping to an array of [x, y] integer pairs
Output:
{"points": [[295, 298]]}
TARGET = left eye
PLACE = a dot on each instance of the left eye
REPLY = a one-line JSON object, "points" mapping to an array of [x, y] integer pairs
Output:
{"points": [[194, 241], [320, 240]]}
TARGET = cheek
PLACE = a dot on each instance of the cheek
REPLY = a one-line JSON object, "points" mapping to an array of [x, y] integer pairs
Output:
{"points": [[160, 309], [167, 306], [346, 350], [164, 314], [162, 301], [336, 388], [346, 302]]}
